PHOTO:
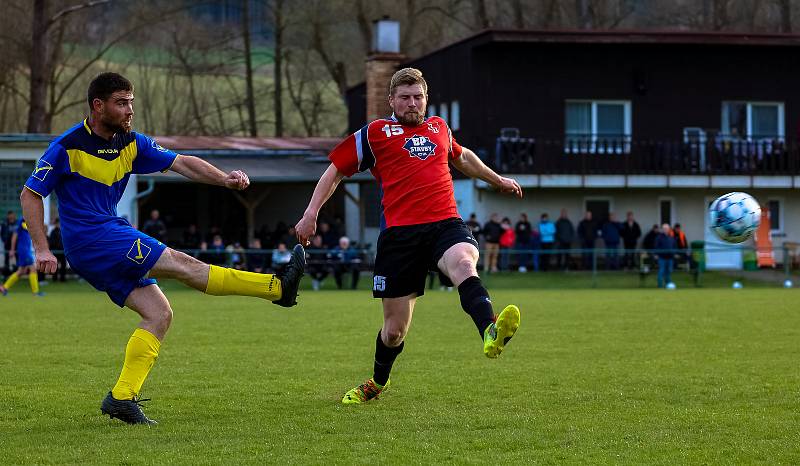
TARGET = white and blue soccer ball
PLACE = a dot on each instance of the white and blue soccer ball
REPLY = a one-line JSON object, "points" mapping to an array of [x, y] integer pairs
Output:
{"points": [[734, 216], [737, 285], [671, 286], [788, 283]]}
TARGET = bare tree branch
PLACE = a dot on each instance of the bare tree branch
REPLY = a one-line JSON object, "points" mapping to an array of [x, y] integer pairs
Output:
{"points": [[72, 9]]}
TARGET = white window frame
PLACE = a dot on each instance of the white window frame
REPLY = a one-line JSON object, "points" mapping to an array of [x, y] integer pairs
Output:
{"points": [[725, 124], [781, 208], [593, 147], [455, 115], [673, 215]]}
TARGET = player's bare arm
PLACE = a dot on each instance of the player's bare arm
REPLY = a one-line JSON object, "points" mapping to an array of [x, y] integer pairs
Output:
{"points": [[33, 211], [197, 169], [471, 165], [327, 184]]}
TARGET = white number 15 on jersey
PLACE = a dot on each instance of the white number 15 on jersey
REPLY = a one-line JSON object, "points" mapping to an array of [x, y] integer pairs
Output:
{"points": [[392, 130]]}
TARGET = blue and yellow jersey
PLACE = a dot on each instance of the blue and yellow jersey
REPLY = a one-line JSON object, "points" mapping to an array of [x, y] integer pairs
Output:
{"points": [[24, 244], [89, 175]]}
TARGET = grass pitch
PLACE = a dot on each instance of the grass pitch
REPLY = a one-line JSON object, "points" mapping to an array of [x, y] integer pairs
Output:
{"points": [[593, 376]]}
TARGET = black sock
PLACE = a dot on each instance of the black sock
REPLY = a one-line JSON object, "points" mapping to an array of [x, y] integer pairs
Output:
{"points": [[384, 358], [475, 302]]}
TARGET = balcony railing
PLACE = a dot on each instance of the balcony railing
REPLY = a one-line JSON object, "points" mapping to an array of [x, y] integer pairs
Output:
{"points": [[624, 156]]}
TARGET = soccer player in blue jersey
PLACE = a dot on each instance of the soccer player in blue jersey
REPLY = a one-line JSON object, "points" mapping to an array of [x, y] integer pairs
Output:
{"points": [[88, 167], [22, 249]]}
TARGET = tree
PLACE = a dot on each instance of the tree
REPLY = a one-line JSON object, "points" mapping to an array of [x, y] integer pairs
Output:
{"points": [[44, 56], [248, 60]]}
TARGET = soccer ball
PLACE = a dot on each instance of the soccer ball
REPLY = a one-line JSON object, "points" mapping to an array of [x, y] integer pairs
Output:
{"points": [[737, 285], [788, 284], [734, 217], [671, 286]]}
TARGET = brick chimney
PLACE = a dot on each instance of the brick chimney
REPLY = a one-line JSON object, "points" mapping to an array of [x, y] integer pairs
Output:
{"points": [[381, 65]]}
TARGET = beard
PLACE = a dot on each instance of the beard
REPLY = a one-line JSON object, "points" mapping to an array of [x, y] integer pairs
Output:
{"points": [[120, 126], [411, 118]]}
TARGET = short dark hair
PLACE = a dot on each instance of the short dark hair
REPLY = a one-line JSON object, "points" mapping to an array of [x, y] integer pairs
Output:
{"points": [[106, 84]]}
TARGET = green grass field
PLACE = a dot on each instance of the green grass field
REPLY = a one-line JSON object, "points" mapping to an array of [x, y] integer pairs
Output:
{"points": [[593, 376]]}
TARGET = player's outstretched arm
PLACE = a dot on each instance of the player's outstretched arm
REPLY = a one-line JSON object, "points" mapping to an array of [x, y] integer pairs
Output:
{"points": [[197, 169], [33, 211], [326, 185], [471, 165]]}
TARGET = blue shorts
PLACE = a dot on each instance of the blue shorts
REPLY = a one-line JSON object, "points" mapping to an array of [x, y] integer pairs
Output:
{"points": [[24, 259], [117, 263]]}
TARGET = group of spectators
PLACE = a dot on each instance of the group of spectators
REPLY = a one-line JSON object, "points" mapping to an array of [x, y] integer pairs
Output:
{"points": [[331, 253], [547, 245]]}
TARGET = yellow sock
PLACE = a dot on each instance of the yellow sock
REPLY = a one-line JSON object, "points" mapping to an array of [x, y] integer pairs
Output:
{"points": [[33, 277], [140, 355], [223, 281], [12, 280]]}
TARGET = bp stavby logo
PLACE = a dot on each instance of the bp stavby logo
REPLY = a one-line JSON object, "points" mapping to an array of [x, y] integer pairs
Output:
{"points": [[420, 147]]}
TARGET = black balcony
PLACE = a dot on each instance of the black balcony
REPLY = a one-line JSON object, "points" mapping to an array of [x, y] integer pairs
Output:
{"points": [[621, 155]]}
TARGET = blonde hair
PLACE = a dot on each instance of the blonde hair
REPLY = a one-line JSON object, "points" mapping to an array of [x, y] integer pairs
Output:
{"points": [[407, 77]]}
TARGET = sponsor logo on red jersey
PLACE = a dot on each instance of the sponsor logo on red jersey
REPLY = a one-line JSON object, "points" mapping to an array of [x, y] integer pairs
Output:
{"points": [[420, 147]]}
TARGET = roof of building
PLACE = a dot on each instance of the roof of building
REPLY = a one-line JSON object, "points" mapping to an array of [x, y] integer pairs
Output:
{"points": [[625, 36], [238, 143], [218, 145], [617, 36], [274, 170]]}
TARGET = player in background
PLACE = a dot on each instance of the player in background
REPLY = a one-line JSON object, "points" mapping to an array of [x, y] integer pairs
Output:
{"points": [[22, 248], [88, 167], [409, 156]]}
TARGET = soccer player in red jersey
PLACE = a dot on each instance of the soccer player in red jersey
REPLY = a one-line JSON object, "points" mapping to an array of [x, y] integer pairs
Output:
{"points": [[409, 155]]}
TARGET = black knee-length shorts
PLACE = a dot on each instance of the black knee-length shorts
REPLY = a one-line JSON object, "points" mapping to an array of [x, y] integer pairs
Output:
{"points": [[406, 254]]}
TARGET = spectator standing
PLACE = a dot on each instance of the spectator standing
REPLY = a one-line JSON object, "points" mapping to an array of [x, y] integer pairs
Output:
{"points": [[329, 237], [257, 258], [318, 265], [649, 244], [507, 241], [56, 244], [523, 241], [587, 233], [474, 226], [680, 242], [665, 248], [237, 255], [611, 237], [345, 259], [155, 227], [7, 230], [290, 238], [191, 238], [216, 253], [565, 235], [491, 235], [547, 232], [631, 232]]}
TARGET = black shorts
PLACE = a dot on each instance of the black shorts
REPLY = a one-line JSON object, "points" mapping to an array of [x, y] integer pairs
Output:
{"points": [[406, 254]]}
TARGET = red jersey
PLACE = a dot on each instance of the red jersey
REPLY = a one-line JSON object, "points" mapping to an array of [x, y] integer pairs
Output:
{"points": [[410, 164]]}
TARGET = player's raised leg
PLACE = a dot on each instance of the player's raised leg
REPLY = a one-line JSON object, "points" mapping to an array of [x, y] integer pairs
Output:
{"points": [[220, 281], [397, 313], [459, 263], [122, 402]]}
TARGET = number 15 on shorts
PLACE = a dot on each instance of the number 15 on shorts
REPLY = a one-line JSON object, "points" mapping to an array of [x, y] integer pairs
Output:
{"points": [[378, 283]]}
